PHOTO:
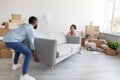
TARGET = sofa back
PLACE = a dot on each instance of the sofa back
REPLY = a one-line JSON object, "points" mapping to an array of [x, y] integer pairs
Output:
{"points": [[58, 36]]}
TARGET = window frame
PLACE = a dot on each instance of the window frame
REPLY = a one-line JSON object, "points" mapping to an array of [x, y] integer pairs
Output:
{"points": [[111, 21]]}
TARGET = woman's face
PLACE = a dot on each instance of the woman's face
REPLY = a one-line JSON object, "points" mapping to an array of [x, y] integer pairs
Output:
{"points": [[72, 29]]}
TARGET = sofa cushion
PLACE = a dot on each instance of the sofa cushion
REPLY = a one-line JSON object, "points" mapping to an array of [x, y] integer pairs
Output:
{"points": [[74, 46], [60, 37], [42, 35], [51, 34], [63, 49]]}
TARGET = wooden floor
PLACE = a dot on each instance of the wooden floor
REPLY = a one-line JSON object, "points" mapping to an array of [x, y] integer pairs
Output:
{"points": [[87, 66]]}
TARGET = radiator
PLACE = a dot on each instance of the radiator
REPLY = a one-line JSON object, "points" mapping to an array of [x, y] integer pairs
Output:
{"points": [[111, 37]]}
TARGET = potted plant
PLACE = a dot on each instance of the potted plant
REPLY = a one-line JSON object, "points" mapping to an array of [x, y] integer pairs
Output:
{"points": [[87, 35], [112, 48]]}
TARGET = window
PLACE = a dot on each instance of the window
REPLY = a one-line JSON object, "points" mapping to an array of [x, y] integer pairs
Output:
{"points": [[112, 16]]}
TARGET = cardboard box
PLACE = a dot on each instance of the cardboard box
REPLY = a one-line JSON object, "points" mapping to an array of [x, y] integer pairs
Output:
{"points": [[97, 42], [93, 31], [111, 52], [18, 22], [16, 16], [83, 42], [2, 45], [10, 25], [3, 32], [5, 53]]}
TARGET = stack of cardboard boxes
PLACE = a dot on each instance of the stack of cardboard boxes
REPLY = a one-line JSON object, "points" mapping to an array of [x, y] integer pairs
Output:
{"points": [[97, 42], [3, 32], [9, 25], [13, 23], [94, 37], [93, 31], [4, 51], [16, 18]]}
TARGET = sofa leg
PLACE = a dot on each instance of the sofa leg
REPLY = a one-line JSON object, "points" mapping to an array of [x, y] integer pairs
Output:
{"points": [[52, 67]]}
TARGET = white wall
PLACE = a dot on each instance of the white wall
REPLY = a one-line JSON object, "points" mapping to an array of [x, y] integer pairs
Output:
{"points": [[63, 12]]}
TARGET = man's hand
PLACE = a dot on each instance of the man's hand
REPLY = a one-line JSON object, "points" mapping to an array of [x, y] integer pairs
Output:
{"points": [[36, 59]]}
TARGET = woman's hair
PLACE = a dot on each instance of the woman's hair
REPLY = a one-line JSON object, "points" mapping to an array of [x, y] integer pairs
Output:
{"points": [[73, 25]]}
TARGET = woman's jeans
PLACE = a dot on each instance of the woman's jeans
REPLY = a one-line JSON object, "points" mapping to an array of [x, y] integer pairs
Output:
{"points": [[19, 47]]}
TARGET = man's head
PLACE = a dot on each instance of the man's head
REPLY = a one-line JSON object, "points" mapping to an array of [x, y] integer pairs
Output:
{"points": [[33, 21]]}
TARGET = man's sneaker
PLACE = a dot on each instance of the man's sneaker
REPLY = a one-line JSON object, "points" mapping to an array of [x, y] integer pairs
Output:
{"points": [[26, 77], [16, 66]]}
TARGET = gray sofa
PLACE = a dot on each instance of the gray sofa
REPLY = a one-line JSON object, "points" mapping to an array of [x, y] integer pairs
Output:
{"points": [[53, 48]]}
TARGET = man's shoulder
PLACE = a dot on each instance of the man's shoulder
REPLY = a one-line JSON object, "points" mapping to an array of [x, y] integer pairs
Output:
{"points": [[28, 25]]}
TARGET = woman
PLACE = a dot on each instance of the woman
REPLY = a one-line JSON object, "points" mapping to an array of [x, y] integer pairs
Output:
{"points": [[72, 30]]}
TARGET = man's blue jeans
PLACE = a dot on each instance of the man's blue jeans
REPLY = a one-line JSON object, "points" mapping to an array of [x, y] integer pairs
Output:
{"points": [[19, 47]]}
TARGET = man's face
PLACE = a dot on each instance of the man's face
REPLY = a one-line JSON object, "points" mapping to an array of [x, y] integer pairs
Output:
{"points": [[35, 25]]}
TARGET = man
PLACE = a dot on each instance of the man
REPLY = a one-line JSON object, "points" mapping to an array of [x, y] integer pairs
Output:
{"points": [[14, 41]]}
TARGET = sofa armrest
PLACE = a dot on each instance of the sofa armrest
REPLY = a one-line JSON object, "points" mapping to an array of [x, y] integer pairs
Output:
{"points": [[73, 39], [46, 50]]}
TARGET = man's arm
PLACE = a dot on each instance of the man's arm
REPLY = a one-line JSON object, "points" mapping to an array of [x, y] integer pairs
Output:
{"points": [[30, 37]]}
